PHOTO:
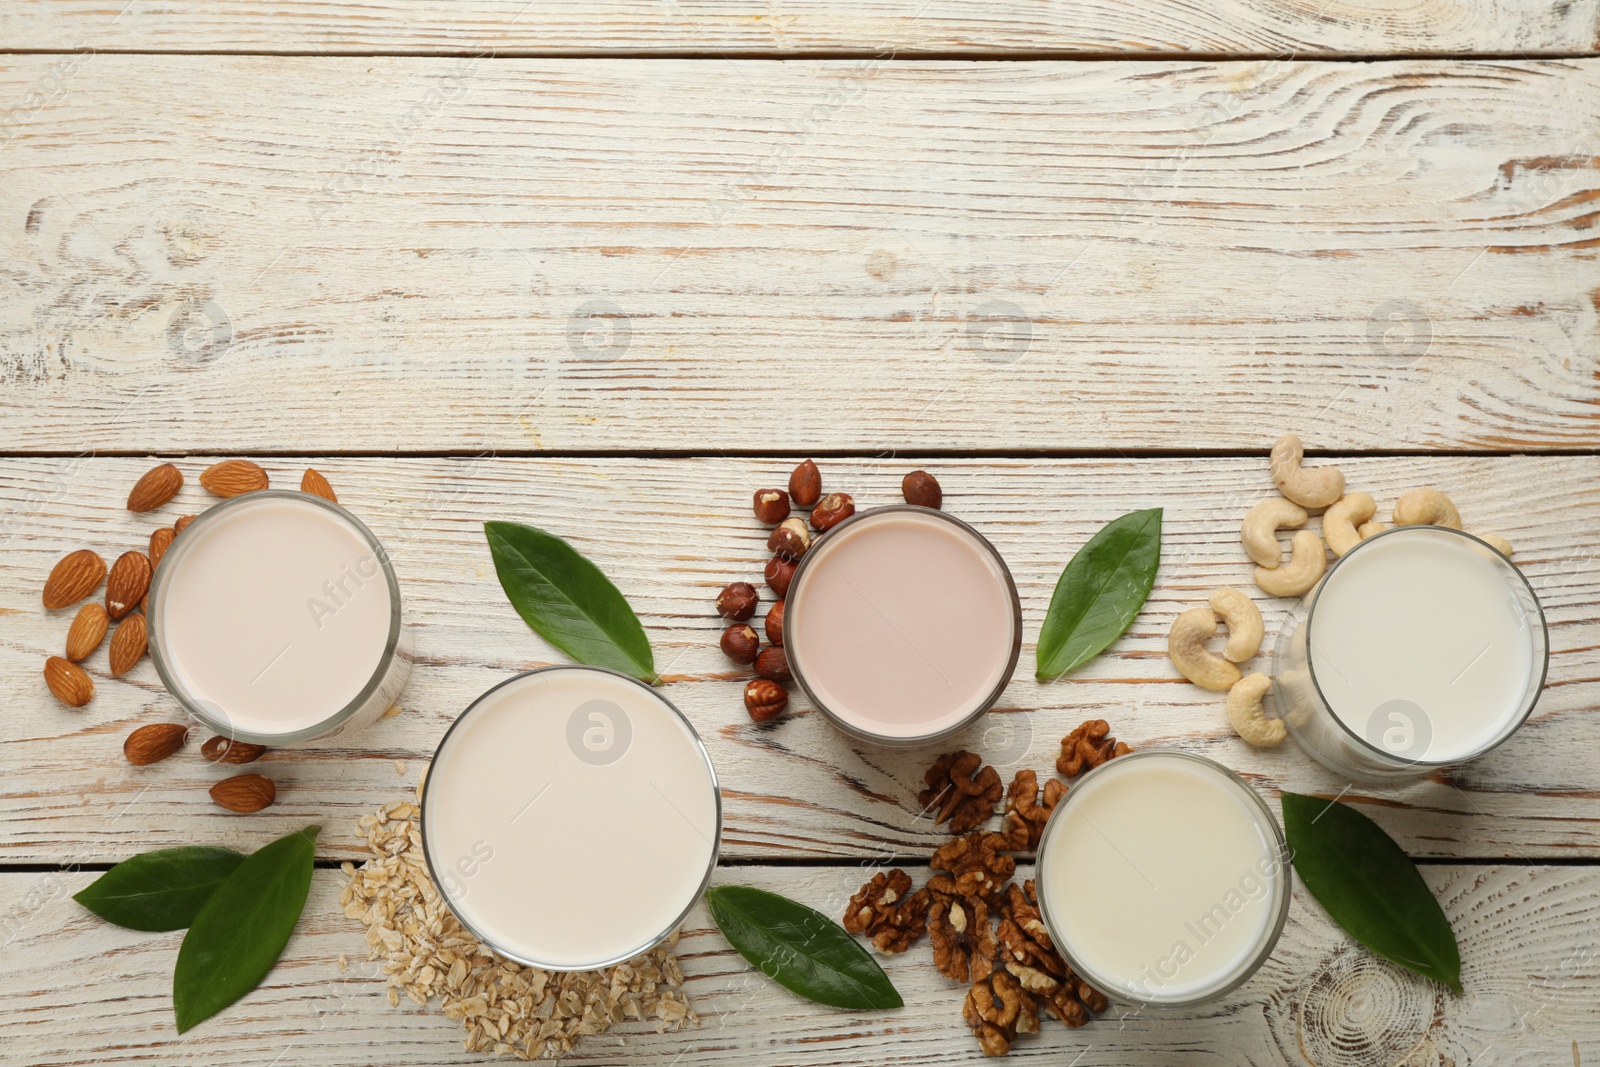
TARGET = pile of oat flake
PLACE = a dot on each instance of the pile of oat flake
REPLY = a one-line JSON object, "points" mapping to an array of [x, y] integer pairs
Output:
{"points": [[507, 1009]]}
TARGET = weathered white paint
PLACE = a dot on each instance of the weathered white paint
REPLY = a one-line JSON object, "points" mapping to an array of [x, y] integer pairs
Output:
{"points": [[709, 27], [441, 253], [1527, 937], [670, 533]]}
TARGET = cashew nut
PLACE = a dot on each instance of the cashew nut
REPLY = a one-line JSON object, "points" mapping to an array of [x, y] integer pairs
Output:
{"points": [[1309, 488], [1186, 645], [1245, 713], [1426, 507], [1371, 529], [1259, 534], [1494, 541], [1340, 521], [1243, 619], [1307, 563]]}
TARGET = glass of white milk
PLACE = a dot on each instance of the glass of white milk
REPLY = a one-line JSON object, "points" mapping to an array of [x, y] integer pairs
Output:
{"points": [[1423, 648], [275, 617], [1163, 879], [571, 818]]}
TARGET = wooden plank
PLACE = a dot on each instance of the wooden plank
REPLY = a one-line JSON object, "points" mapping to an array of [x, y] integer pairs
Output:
{"points": [[1527, 936], [387, 254], [636, 27], [671, 533]]}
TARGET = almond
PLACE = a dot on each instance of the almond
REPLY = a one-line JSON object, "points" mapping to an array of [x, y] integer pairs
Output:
{"points": [[68, 681], [182, 524], [161, 539], [75, 577], [128, 583], [227, 750], [154, 743], [245, 793], [128, 644], [158, 486], [316, 484], [88, 630], [234, 476]]}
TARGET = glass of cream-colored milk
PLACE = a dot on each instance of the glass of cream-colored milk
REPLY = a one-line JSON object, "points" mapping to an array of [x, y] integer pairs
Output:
{"points": [[1422, 648], [1163, 879], [571, 818], [275, 617]]}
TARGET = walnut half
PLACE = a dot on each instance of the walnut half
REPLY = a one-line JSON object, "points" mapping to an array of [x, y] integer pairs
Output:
{"points": [[961, 791], [888, 912]]}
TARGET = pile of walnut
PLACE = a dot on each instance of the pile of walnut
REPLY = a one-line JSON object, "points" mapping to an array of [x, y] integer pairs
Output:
{"points": [[985, 928], [766, 697], [127, 581], [1347, 519]]}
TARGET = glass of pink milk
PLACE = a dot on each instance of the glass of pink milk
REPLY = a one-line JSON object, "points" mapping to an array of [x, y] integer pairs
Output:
{"points": [[902, 625], [275, 617]]}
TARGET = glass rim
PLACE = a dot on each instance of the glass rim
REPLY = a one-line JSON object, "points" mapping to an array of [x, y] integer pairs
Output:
{"points": [[1281, 883], [716, 839], [914, 740], [165, 670], [1497, 560]]}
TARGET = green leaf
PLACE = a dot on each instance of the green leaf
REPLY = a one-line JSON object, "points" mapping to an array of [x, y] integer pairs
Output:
{"points": [[568, 601], [240, 932], [1100, 592], [1370, 887], [801, 949], [159, 890]]}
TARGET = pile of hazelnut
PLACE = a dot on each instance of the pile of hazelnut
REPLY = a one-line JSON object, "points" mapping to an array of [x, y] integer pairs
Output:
{"points": [[766, 697]]}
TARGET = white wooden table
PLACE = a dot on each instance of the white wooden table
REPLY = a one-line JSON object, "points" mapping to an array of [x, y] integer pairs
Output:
{"points": [[607, 266]]}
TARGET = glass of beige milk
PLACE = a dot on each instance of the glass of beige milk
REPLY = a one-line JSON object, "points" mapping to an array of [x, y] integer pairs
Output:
{"points": [[275, 617], [571, 818], [1163, 879], [902, 625], [1422, 648]]}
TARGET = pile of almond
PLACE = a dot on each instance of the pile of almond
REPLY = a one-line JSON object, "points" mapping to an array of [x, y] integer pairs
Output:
{"points": [[767, 696], [127, 583]]}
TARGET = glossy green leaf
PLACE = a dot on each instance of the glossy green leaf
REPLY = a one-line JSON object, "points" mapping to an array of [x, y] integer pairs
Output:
{"points": [[568, 601], [1100, 592], [1370, 887], [160, 890], [800, 948], [240, 932]]}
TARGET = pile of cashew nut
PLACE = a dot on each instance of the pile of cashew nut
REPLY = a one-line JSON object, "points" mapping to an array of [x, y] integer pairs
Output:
{"points": [[1347, 520]]}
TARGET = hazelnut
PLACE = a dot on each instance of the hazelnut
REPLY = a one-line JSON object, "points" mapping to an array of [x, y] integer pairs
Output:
{"points": [[780, 572], [765, 700], [775, 623], [790, 539], [772, 506], [922, 489], [772, 663], [831, 510], [738, 601], [805, 484], [740, 643]]}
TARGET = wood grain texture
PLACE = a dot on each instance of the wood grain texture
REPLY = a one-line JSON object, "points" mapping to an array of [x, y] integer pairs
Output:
{"points": [[671, 533], [459, 253], [1528, 946], [639, 27]]}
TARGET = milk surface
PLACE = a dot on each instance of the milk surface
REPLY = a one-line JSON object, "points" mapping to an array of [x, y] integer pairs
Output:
{"points": [[277, 613], [1160, 878], [902, 624], [1418, 645], [570, 818]]}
